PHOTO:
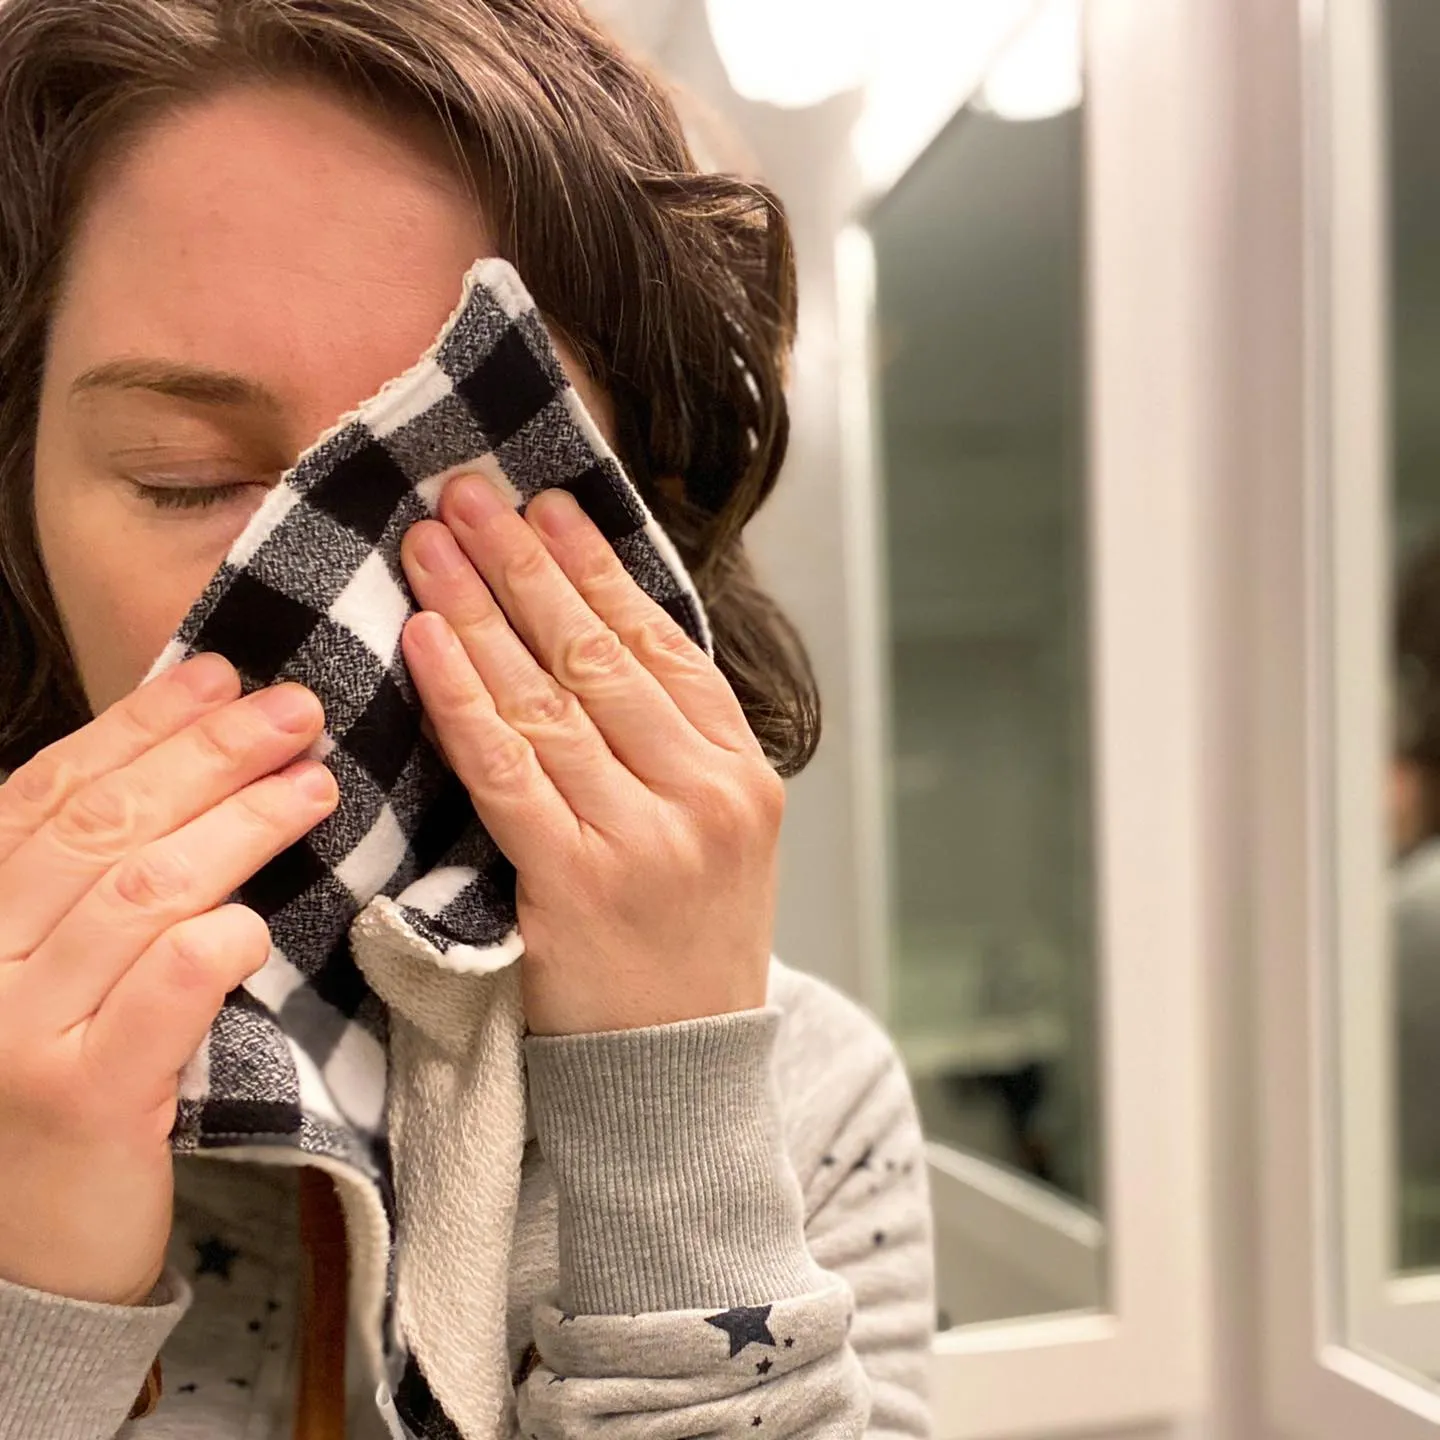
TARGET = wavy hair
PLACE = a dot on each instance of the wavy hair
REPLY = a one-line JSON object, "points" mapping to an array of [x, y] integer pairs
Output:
{"points": [[675, 287]]}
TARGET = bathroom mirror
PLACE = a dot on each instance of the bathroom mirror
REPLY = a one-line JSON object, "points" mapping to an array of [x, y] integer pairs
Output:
{"points": [[1378, 590], [980, 427]]}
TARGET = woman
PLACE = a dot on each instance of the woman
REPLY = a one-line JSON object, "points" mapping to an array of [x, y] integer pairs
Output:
{"points": [[224, 223]]}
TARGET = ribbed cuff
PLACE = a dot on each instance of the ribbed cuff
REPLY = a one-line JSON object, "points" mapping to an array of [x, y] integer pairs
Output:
{"points": [[675, 1188], [71, 1369]]}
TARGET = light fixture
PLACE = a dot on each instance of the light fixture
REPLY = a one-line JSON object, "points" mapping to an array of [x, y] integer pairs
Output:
{"points": [[793, 53], [1039, 74], [930, 59]]}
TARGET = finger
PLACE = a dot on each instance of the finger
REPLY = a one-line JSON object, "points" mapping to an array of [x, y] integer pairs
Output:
{"points": [[67, 978], [157, 1015], [630, 708], [522, 808], [688, 675], [165, 787], [40, 787], [570, 746]]}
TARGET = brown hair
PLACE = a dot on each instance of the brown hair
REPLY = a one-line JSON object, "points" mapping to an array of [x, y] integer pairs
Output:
{"points": [[676, 288]]}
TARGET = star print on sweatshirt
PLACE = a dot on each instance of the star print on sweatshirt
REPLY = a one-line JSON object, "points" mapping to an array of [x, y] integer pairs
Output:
{"points": [[695, 1253]]}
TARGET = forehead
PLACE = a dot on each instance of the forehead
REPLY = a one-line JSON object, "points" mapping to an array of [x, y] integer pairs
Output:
{"points": [[272, 230]]}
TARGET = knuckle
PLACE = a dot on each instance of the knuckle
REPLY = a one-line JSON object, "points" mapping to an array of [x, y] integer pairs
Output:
{"points": [[480, 618], [103, 816], [547, 707], [140, 719], [226, 738], [769, 795], [528, 563], [153, 879], [661, 637], [596, 569], [728, 815], [508, 764], [741, 811], [265, 807], [596, 652], [690, 858], [43, 781]]}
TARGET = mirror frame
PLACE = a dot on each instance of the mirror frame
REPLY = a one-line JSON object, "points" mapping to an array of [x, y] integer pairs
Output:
{"points": [[1316, 801]]}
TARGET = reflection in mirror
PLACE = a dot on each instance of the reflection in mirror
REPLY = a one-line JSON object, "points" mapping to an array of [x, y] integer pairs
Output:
{"points": [[1380, 779], [981, 423], [1412, 51]]}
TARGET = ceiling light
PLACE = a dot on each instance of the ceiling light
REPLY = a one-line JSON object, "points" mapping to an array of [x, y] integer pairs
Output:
{"points": [[793, 53], [1039, 74], [930, 61]]}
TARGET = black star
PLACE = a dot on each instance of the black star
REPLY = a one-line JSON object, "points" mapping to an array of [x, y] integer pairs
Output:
{"points": [[745, 1325], [242, 1384], [879, 1237], [827, 1159], [863, 1163], [215, 1257], [188, 1388], [272, 1306], [789, 1341], [763, 1368], [253, 1327], [754, 1422]]}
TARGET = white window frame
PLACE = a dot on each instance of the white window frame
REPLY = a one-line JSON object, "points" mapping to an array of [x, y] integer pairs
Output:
{"points": [[1143, 1358], [1336, 1320], [1396, 1317]]}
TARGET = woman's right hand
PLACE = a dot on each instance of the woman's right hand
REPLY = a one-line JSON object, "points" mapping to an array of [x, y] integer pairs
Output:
{"points": [[118, 847]]}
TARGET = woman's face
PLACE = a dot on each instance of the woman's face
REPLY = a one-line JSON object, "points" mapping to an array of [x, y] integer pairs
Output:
{"points": [[253, 268]]}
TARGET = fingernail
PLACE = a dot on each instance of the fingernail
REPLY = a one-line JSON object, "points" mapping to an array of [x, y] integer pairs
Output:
{"points": [[437, 552], [557, 512], [207, 676], [288, 706], [476, 500], [311, 778]]}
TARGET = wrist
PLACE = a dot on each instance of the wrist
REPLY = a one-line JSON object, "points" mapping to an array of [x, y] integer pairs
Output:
{"points": [[556, 1005], [658, 1137]]}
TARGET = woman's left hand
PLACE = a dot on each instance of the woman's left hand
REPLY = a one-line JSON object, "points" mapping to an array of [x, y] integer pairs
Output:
{"points": [[606, 755]]}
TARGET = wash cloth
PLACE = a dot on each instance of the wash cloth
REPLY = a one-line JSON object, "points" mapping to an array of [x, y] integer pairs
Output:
{"points": [[393, 922]]}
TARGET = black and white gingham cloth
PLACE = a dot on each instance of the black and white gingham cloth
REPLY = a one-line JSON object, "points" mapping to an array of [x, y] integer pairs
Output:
{"points": [[313, 590]]}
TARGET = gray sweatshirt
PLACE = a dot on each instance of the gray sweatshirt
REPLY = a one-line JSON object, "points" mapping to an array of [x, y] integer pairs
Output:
{"points": [[759, 1260]]}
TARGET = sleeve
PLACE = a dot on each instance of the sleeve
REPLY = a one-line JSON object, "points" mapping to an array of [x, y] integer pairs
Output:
{"points": [[72, 1369], [702, 1291]]}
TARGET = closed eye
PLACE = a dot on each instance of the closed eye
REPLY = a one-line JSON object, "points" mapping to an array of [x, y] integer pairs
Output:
{"points": [[194, 497]]}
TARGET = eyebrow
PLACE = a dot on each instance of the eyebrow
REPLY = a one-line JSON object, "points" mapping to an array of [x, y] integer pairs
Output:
{"points": [[196, 383]]}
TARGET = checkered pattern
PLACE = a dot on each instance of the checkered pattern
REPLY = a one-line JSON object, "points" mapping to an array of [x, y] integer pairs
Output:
{"points": [[313, 591]]}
